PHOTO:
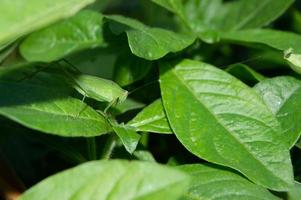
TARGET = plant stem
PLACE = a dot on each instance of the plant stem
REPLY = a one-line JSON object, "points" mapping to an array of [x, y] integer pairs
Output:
{"points": [[92, 148], [109, 147]]}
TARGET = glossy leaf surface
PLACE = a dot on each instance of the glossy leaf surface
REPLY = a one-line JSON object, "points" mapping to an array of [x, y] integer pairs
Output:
{"points": [[213, 182], [112, 180], [79, 32], [151, 119], [33, 15], [220, 119], [150, 43], [283, 96]]}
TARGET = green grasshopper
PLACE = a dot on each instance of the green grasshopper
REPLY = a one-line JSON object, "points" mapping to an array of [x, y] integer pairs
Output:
{"points": [[94, 87]]}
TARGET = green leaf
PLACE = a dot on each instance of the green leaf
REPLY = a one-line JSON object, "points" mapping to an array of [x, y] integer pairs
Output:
{"points": [[151, 119], [295, 192], [127, 105], [79, 32], [214, 182], [144, 156], [250, 14], [294, 60], [220, 119], [245, 73], [129, 69], [112, 180], [175, 6], [201, 17], [283, 96], [280, 40], [147, 42], [127, 135], [20, 17], [49, 110]]}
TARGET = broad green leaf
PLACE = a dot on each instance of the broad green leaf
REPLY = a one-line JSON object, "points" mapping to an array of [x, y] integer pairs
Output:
{"points": [[49, 110], [129, 69], [294, 60], [295, 192], [280, 40], [249, 14], [245, 73], [20, 17], [214, 182], [151, 119], [283, 96], [220, 119], [201, 17], [112, 180], [98, 88], [128, 136], [148, 42], [79, 32]]}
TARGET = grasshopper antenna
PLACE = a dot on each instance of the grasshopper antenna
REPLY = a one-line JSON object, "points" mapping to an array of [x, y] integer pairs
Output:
{"points": [[70, 64], [243, 62], [142, 86]]}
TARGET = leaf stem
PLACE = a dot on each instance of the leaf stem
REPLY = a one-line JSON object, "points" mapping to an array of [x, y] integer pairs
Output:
{"points": [[92, 148], [109, 147]]}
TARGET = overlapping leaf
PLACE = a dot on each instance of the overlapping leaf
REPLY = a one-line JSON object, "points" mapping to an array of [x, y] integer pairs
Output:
{"points": [[147, 42], [212, 182], [280, 40], [283, 96], [112, 180], [151, 119], [21, 17], [218, 118], [79, 32], [127, 135]]}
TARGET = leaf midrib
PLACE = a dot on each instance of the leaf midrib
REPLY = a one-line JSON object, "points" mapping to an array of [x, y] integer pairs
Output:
{"points": [[210, 111]]}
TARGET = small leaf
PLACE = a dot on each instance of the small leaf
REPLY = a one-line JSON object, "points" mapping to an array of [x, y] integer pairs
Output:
{"points": [[150, 43], [127, 135], [283, 96], [151, 119], [144, 156], [245, 74], [112, 180], [79, 32], [220, 119], [19, 17], [129, 69], [214, 182]]}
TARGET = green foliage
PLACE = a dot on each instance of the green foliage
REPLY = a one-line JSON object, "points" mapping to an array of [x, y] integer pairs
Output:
{"points": [[117, 180], [210, 181], [210, 89]]}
